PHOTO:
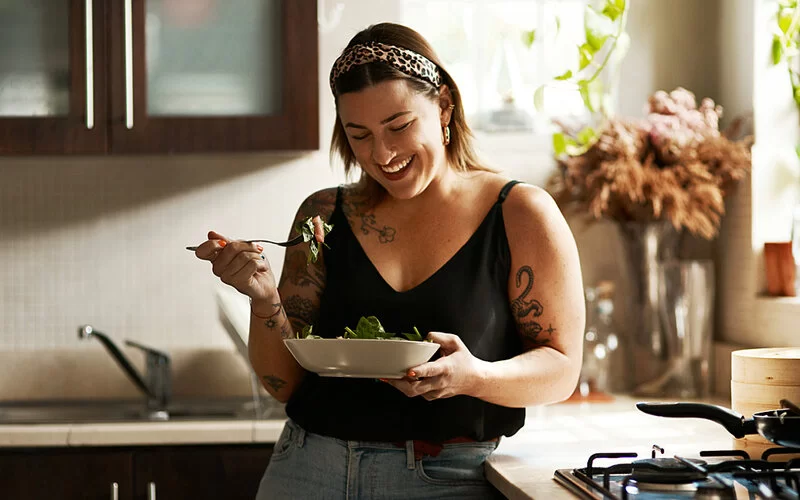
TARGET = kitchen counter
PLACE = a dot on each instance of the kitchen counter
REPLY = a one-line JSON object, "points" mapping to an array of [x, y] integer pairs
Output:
{"points": [[563, 436], [554, 437], [141, 433]]}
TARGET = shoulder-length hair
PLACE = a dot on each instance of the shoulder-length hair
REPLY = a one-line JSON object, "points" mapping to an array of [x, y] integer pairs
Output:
{"points": [[460, 152]]}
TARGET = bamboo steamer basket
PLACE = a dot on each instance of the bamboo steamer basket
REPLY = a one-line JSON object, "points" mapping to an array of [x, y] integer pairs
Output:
{"points": [[760, 378], [756, 448], [767, 366], [750, 398]]}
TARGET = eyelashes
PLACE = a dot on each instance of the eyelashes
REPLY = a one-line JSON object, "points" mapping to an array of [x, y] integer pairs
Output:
{"points": [[402, 127], [395, 129]]}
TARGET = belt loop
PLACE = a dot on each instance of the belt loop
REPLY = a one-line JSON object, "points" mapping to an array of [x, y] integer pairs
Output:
{"points": [[410, 459]]}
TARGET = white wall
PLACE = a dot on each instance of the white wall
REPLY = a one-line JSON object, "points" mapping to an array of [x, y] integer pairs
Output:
{"points": [[761, 211]]}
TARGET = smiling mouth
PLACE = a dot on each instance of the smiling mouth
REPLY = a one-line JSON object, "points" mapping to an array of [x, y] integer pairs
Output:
{"points": [[397, 167]]}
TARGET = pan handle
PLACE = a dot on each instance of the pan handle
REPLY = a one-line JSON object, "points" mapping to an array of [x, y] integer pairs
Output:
{"points": [[734, 422]]}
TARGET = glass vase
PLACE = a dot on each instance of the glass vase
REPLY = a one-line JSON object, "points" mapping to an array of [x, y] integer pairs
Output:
{"points": [[646, 245]]}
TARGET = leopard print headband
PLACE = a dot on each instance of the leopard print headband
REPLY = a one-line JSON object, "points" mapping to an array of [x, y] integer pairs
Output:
{"points": [[407, 61]]}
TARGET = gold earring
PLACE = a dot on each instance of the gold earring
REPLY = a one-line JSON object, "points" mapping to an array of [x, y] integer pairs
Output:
{"points": [[446, 131]]}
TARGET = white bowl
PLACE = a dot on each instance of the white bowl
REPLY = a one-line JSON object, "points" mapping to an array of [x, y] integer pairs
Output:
{"points": [[361, 358]]}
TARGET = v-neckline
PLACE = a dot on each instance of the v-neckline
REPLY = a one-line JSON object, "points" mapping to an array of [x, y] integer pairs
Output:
{"points": [[438, 271]]}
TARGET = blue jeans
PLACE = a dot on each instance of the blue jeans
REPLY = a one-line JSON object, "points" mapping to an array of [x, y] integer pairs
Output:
{"points": [[305, 465]]}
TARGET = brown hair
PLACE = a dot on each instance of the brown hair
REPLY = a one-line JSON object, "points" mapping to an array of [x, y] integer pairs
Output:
{"points": [[460, 152]]}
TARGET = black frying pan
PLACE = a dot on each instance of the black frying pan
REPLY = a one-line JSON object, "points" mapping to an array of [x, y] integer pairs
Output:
{"points": [[782, 427]]}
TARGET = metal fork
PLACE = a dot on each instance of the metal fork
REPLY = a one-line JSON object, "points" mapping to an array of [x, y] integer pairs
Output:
{"points": [[294, 241]]}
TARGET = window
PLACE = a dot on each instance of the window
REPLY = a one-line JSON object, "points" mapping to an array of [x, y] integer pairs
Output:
{"points": [[481, 43]]}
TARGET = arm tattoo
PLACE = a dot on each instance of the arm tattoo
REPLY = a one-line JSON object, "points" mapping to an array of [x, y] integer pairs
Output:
{"points": [[527, 311], [300, 308], [300, 273], [321, 204], [271, 321], [356, 206], [286, 330], [297, 324], [276, 383]]}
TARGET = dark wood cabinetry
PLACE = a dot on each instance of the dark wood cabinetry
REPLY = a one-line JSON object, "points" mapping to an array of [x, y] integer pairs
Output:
{"points": [[65, 474], [231, 472], [151, 76], [200, 472]]}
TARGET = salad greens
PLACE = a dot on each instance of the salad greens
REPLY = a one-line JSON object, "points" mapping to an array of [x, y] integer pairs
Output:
{"points": [[368, 328], [306, 333], [307, 230]]}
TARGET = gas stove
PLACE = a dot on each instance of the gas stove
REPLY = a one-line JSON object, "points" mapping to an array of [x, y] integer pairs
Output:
{"points": [[727, 474]]}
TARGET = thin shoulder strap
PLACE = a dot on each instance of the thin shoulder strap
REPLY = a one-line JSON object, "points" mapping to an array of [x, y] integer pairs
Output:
{"points": [[504, 192], [338, 198]]}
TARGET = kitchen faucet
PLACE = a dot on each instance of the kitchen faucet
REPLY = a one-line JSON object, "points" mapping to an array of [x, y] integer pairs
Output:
{"points": [[157, 383]]}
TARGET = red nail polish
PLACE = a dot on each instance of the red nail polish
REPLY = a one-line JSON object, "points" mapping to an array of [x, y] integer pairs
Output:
{"points": [[260, 248], [412, 374], [222, 243], [383, 380]]}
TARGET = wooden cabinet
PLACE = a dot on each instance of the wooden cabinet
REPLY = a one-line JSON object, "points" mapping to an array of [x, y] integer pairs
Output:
{"points": [[158, 76], [198, 472], [53, 77], [67, 474]]}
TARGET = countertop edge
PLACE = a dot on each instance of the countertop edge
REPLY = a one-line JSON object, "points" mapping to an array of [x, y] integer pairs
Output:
{"points": [[141, 433]]}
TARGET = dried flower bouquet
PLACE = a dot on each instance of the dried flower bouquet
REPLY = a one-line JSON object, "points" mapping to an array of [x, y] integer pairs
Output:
{"points": [[673, 165]]}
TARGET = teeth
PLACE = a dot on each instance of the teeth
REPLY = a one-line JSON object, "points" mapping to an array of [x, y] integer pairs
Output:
{"points": [[397, 166]]}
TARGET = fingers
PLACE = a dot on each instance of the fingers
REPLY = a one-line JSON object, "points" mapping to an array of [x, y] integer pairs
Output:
{"points": [[234, 262], [208, 250], [213, 235], [429, 388], [448, 341], [250, 266], [235, 254]]}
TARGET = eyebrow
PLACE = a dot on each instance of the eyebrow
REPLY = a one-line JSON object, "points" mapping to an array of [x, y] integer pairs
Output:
{"points": [[383, 122]]}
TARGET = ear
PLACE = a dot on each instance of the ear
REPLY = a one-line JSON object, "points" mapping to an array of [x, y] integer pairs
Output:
{"points": [[445, 104]]}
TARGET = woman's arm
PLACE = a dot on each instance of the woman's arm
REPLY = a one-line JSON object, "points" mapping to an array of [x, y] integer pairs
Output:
{"points": [[546, 291], [294, 305]]}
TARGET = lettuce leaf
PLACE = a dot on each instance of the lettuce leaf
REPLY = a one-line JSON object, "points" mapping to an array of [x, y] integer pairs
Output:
{"points": [[369, 328], [306, 230]]}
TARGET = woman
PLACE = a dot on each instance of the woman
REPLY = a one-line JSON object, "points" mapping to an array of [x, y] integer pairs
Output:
{"points": [[428, 237]]}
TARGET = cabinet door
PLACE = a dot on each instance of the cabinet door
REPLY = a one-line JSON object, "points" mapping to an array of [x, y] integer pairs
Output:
{"points": [[200, 472], [52, 76], [65, 475], [213, 75]]}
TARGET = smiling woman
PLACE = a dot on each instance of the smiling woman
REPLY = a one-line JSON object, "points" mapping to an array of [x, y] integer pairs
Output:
{"points": [[430, 237]]}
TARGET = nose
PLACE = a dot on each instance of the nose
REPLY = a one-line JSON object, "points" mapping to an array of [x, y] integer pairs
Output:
{"points": [[382, 153]]}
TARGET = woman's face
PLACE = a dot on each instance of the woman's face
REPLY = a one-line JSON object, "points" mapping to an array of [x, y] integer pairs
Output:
{"points": [[396, 135]]}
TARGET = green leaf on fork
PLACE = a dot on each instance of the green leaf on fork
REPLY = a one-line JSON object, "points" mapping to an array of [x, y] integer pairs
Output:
{"points": [[306, 230]]}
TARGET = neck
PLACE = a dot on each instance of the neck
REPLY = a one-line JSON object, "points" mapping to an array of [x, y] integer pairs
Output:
{"points": [[442, 189]]}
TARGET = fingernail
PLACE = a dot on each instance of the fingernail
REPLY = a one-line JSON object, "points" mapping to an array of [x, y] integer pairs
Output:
{"points": [[260, 248], [222, 243], [412, 374], [383, 380]]}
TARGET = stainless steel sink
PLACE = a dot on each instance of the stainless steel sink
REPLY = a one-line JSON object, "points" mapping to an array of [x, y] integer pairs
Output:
{"points": [[67, 411]]}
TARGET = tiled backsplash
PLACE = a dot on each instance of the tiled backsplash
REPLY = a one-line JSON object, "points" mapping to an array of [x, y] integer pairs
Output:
{"points": [[101, 241]]}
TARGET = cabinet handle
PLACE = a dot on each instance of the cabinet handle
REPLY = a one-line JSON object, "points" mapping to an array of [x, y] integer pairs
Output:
{"points": [[89, 66], [114, 491], [129, 66], [151, 491]]}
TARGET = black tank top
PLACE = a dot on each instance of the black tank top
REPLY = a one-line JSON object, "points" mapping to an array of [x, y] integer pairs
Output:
{"points": [[467, 296]]}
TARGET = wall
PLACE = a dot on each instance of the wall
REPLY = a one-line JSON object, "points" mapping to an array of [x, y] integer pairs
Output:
{"points": [[761, 210]]}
